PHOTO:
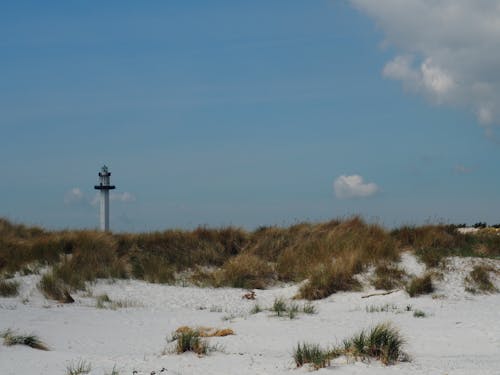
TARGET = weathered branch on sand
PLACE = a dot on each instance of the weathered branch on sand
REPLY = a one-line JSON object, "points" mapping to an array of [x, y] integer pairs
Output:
{"points": [[381, 294]]}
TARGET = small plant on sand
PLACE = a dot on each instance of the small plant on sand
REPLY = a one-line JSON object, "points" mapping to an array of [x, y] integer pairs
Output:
{"points": [[192, 339], [102, 300], [279, 306], [78, 368], [420, 285], [292, 310], [114, 371], [309, 308], [382, 342], [256, 309], [479, 281], [311, 353], [419, 314], [33, 341], [9, 288]]}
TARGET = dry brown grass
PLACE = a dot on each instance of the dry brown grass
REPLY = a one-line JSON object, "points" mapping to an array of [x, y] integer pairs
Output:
{"points": [[206, 331], [246, 271], [388, 276], [479, 279], [328, 254]]}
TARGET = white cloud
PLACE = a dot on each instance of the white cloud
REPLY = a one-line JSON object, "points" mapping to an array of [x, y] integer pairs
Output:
{"points": [[353, 186], [448, 50], [122, 197], [73, 196], [461, 169], [77, 196]]}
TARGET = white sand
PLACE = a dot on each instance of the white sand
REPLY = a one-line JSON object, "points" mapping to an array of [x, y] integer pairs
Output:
{"points": [[460, 335]]}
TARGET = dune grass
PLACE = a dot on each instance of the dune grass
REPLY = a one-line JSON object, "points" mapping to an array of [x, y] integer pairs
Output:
{"points": [[328, 255], [190, 339], [382, 342], [388, 276], [10, 338], [420, 285], [479, 280], [9, 288], [80, 367]]}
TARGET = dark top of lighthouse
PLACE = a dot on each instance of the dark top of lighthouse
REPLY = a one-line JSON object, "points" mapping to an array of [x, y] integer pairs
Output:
{"points": [[104, 180]]}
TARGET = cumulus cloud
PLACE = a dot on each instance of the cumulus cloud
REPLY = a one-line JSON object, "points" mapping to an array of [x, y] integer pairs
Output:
{"points": [[353, 186], [448, 50], [74, 195]]}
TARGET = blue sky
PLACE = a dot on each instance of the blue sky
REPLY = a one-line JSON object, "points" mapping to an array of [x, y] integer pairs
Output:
{"points": [[247, 113]]}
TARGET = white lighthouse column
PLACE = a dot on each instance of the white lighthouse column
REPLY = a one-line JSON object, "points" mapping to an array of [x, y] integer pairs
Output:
{"points": [[104, 214], [104, 186]]}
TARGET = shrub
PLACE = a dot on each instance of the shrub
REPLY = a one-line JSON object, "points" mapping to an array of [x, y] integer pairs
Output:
{"points": [[388, 276], [420, 285], [479, 280], [9, 288], [78, 368], [311, 353], [33, 341]]}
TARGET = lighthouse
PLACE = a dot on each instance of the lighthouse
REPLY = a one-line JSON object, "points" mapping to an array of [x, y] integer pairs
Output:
{"points": [[104, 186]]}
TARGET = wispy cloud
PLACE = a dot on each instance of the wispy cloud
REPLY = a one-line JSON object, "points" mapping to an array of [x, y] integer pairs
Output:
{"points": [[122, 197], [461, 169], [448, 50], [77, 196], [353, 186], [74, 196]]}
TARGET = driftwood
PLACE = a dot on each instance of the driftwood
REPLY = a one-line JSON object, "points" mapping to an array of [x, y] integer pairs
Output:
{"points": [[380, 294]]}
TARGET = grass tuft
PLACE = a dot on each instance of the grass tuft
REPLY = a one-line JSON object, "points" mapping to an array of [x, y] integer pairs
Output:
{"points": [[79, 368], [279, 306], [311, 353], [479, 281], [326, 280], [382, 342], [420, 285], [33, 341], [388, 276], [9, 288], [190, 341], [419, 314], [54, 288]]}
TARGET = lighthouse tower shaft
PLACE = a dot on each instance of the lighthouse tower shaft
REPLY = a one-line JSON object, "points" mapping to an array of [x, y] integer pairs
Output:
{"points": [[104, 186]]}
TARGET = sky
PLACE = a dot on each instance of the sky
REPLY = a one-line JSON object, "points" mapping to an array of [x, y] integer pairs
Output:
{"points": [[250, 113]]}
